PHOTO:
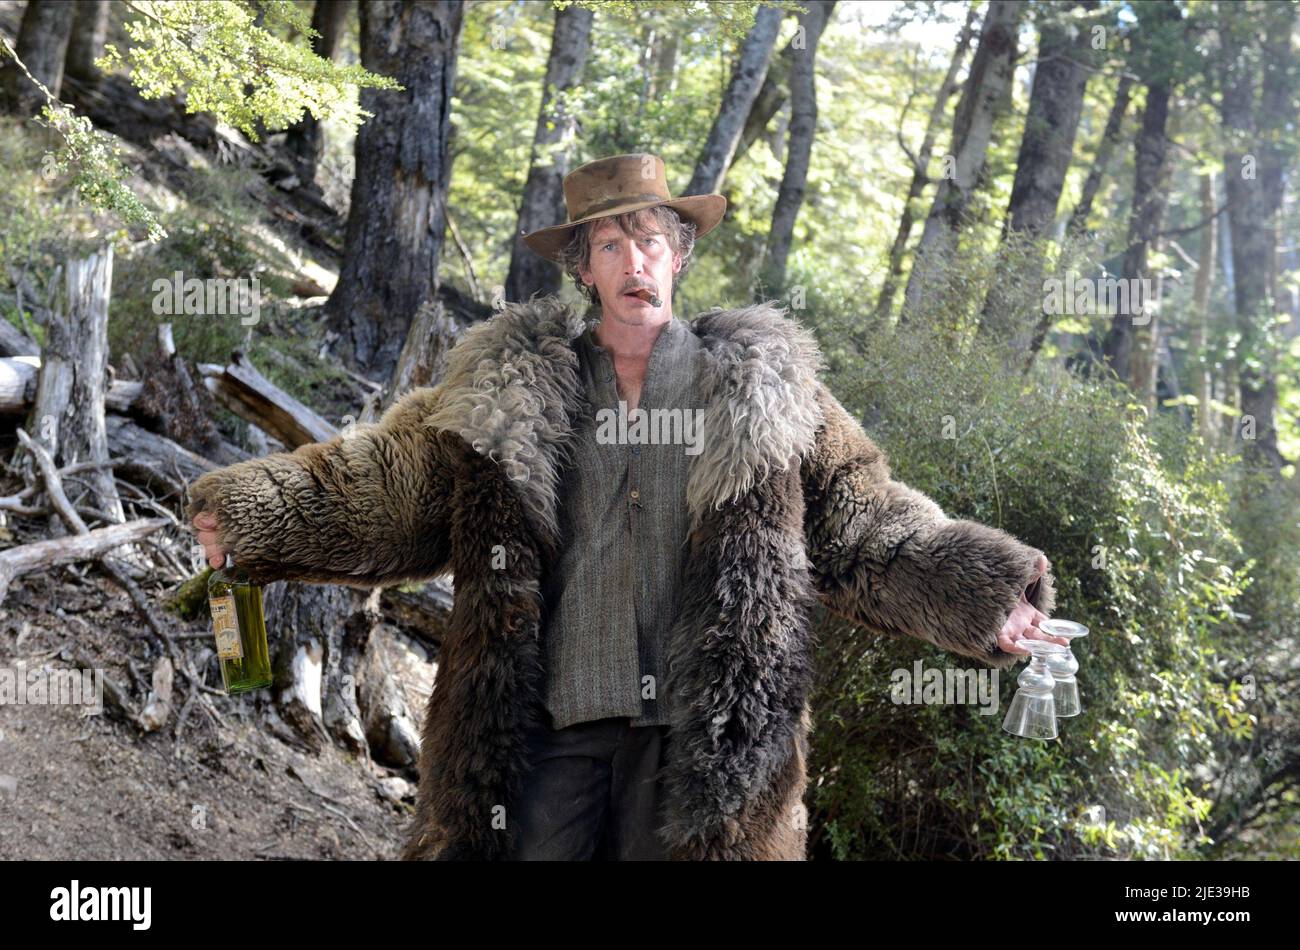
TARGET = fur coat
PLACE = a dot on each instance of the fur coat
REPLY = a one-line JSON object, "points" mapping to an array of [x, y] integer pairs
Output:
{"points": [[790, 502]]}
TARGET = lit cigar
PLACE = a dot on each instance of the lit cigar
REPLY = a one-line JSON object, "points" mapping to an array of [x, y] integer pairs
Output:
{"points": [[648, 296]]}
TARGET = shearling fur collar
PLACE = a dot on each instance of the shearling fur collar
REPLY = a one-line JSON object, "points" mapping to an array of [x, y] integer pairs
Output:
{"points": [[512, 392]]}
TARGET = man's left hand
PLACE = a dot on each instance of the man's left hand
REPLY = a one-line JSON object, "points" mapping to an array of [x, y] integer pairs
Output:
{"points": [[1024, 620]]}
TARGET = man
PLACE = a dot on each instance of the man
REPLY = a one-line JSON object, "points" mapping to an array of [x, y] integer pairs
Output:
{"points": [[628, 662]]}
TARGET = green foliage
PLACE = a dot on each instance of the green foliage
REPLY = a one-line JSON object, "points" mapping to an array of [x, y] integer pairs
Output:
{"points": [[230, 58], [240, 71], [732, 20], [1143, 554], [92, 156], [214, 232], [97, 172]]}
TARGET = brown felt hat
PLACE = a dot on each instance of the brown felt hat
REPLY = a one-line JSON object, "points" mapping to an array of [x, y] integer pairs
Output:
{"points": [[621, 183]]}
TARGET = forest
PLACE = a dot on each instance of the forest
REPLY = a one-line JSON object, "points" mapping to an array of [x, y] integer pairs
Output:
{"points": [[1049, 250]]}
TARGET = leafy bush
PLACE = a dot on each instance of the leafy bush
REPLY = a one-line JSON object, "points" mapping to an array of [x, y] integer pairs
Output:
{"points": [[1143, 554]]}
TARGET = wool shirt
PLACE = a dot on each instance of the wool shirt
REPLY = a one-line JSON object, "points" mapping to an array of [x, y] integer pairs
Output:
{"points": [[614, 592]]}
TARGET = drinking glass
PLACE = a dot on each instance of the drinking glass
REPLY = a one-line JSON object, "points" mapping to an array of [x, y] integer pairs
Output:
{"points": [[1033, 710], [1064, 666]]}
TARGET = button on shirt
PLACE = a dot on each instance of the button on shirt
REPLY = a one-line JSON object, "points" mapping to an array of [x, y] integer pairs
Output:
{"points": [[615, 591]]}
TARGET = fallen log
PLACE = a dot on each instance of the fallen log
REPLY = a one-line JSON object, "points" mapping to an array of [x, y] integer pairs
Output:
{"points": [[18, 383], [43, 555], [13, 342], [423, 615], [18, 387], [244, 391], [68, 412], [162, 455]]}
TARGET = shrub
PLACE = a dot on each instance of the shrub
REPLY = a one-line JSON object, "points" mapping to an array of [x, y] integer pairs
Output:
{"points": [[1143, 554]]}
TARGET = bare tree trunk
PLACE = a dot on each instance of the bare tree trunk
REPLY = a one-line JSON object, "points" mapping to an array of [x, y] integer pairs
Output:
{"points": [[648, 45], [542, 204], [803, 127], [395, 229], [1145, 355], [42, 45], [663, 78], [86, 44], [737, 102], [920, 167], [1150, 191], [1204, 284], [1046, 146], [1105, 149], [68, 415], [170, 403], [1253, 175], [310, 621], [1091, 185], [424, 357], [305, 141], [983, 95], [772, 95]]}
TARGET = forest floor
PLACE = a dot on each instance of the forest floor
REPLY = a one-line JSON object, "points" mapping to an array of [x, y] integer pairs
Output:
{"points": [[236, 783], [94, 787]]}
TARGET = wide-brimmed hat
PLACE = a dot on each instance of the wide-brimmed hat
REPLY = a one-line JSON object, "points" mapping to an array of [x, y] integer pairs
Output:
{"points": [[614, 185]]}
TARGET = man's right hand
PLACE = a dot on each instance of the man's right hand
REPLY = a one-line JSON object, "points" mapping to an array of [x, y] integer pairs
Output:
{"points": [[206, 524]]}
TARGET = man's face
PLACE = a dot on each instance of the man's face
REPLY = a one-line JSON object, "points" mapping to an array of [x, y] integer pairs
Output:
{"points": [[619, 264]]}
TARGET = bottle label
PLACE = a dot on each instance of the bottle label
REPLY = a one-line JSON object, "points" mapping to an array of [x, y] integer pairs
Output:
{"points": [[225, 626]]}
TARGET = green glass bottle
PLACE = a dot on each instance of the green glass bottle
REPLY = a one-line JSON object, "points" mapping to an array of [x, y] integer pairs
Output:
{"points": [[240, 629]]}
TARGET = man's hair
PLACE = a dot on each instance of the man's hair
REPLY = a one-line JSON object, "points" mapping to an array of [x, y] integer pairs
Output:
{"points": [[679, 233]]}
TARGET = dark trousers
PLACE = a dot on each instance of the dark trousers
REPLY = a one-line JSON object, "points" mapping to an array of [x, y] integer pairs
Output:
{"points": [[592, 793]]}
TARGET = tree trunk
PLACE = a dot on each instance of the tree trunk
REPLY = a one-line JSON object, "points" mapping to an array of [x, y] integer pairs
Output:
{"points": [[665, 66], [1079, 216], [395, 228], [1253, 180], [920, 170], [424, 356], [309, 623], [771, 97], [305, 141], [42, 45], [542, 204], [647, 44], [68, 414], [983, 95], [1046, 146], [1144, 359], [803, 127], [738, 101], [86, 44], [1149, 192], [1101, 161], [1200, 341]]}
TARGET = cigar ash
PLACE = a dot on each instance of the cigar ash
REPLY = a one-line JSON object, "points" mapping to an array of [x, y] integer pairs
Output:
{"points": [[648, 296]]}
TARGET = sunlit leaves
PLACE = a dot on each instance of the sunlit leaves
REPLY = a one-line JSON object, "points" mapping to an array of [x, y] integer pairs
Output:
{"points": [[226, 64]]}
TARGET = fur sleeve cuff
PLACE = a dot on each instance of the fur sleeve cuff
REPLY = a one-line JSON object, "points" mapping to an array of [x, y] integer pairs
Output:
{"points": [[886, 556], [367, 508], [248, 505], [963, 579]]}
